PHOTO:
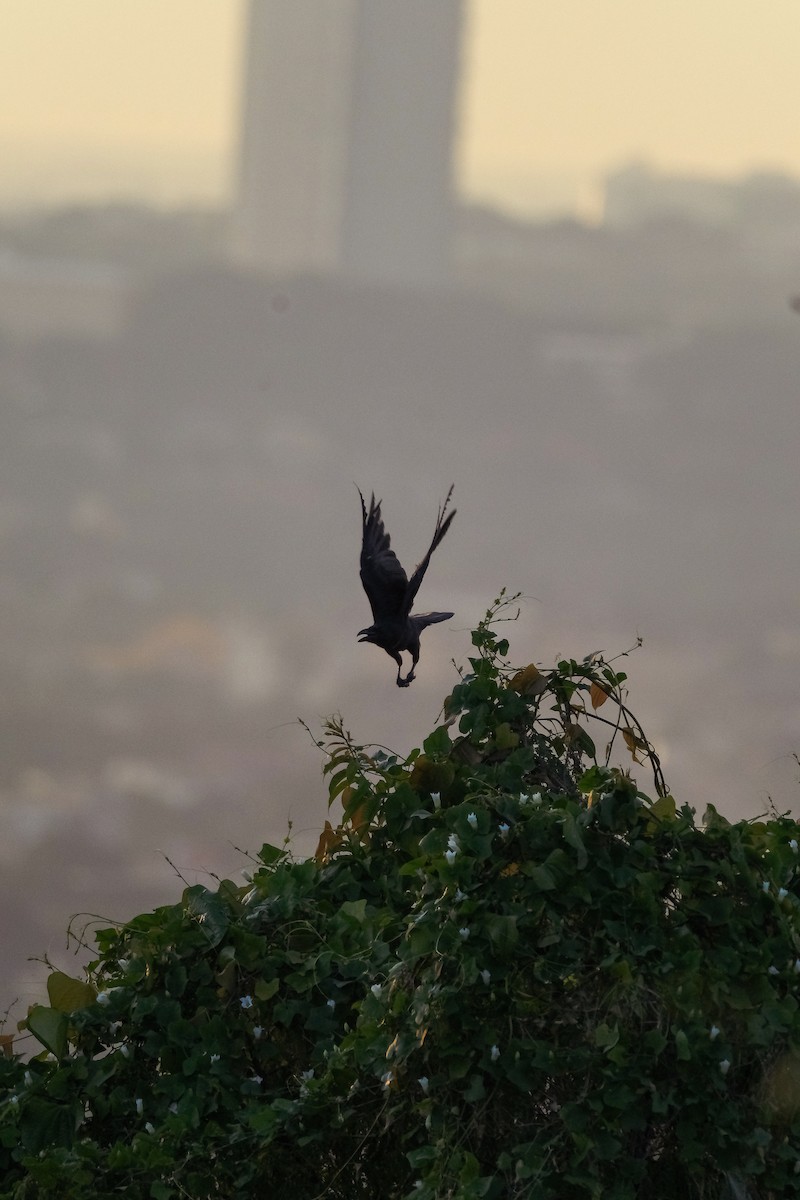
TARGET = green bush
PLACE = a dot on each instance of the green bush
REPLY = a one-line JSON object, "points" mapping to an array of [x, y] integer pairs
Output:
{"points": [[506, 973]]}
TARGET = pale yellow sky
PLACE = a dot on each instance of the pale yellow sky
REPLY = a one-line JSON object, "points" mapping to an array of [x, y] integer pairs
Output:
{"points": [[139, 97]]}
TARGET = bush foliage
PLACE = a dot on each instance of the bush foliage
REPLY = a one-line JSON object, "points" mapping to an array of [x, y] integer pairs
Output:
{"points": [[507, 972]]}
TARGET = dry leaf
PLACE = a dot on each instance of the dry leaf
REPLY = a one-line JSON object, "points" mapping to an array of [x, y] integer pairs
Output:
{"points": [[529, 681], [329, 840]]}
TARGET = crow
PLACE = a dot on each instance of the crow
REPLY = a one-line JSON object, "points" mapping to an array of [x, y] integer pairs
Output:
{"points": [[391, 593]]}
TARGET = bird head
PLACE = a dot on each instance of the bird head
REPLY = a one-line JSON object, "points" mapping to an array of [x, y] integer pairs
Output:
{"points": [[367, 635]]}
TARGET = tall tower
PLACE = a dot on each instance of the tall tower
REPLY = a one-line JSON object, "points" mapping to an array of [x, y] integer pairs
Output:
{"points": [[346, 157]]}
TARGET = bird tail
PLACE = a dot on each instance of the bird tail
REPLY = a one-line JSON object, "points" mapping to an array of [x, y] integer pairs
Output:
{"points": [[422, 620]]}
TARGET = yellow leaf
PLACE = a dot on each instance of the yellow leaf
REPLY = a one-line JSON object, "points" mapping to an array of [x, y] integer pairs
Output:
{"points": [[664, 808], [511, 869], [598, 695], [329, 840], [634, 743], [529, 681]]}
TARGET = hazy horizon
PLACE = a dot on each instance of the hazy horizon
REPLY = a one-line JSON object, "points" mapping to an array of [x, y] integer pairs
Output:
{"points": [[617, 407], [140, 102]]}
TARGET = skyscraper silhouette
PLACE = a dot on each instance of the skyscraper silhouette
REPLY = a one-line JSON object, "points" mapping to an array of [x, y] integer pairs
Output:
{"points": [[348, 126]]}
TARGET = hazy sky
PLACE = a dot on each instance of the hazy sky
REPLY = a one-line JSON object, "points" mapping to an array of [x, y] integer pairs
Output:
{"points": [[139, 97]]}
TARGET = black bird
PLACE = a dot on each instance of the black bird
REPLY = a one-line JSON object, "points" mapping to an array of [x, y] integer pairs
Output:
{"points": [[391, 593]]}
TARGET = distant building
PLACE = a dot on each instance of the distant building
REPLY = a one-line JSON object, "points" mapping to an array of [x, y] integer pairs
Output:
{"points": [[347, 135], [636, 195]]}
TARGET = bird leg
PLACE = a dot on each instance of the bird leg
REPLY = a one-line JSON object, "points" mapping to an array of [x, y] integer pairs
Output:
{"points": [[400, 681], [410, 676]]}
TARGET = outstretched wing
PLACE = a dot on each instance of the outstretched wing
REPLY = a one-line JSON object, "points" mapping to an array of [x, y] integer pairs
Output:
{"points": [[384, 579], [442, 527]]}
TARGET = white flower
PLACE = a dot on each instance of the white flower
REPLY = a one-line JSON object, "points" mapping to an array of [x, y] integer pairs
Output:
{"points": [[773, 970], [494, 1053], [782, 892], [423, 1082], [376, 989], [103, 998], [149, 1127], [536, 798], [436, 797], [459, 896], [246, 1001], [463, 933], [139, 1105], [765, 886], [212, 1058], [257, 1078], [713, 1032], [28, 1078], [793, 844], [452, 842], [725, 1066], [797, 966], [257, 1031], [387, 1078], [450, 855], [331, 1003], [486, 976], [125, 1051], [173, 1108], [306, 1075], [13, 1099], [503, 829], [472, 820]]}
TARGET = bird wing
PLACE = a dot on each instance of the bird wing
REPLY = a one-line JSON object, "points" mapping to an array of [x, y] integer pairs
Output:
{"points": [[442, 527], [384, 579]]}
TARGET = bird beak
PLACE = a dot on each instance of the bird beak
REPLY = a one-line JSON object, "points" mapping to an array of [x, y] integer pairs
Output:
{"points": [[363, 635]]}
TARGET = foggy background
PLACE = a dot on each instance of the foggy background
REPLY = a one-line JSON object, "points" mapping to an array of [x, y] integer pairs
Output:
{"points": [[250, 255]]}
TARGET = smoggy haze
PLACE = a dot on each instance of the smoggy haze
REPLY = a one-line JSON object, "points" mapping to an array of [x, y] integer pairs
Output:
{"points": [[139, 99]]}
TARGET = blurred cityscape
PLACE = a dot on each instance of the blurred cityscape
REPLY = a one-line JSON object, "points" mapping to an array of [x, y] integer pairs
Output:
{"points": [[187, 401], [618, 407]]}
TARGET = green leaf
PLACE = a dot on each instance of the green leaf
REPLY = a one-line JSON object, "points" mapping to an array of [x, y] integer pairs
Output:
{"points": [[270, 855], [438, 743], [355, 910], [541, 876], [682, 1046], [209, 910], [606, 1036], [49, 1026], [502, 932], [45, 1125], [573, 838], [265, 989], [67, 994]]}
